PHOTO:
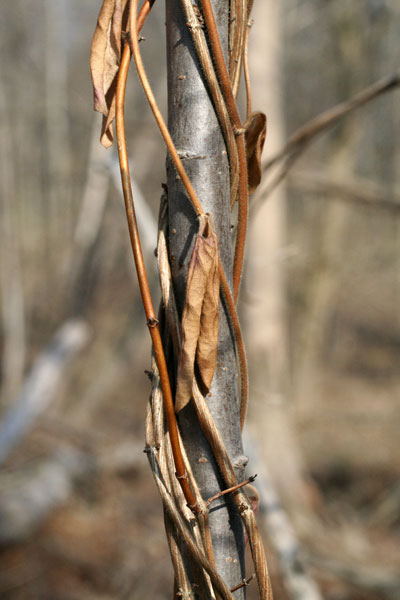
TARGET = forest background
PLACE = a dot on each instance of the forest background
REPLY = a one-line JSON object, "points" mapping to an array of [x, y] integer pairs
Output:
{"points": [[79, 514]]}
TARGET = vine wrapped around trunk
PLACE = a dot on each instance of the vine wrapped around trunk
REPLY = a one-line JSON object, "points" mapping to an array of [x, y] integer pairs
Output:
{"points": [[199, 397]]}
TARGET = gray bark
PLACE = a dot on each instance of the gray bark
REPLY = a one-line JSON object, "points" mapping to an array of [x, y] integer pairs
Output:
{"points": [[197, 136]]}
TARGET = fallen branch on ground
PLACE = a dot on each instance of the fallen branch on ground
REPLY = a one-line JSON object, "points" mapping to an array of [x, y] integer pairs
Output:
{"points": [[41, 384], [30, 494]]}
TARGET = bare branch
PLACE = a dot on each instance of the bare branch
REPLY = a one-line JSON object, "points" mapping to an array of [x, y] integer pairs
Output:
{"points": [[326, 119], [299, 141], [357, 190]]}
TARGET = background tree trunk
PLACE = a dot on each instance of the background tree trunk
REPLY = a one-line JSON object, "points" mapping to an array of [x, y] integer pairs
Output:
{"points": [[266, 310], [197, 136]]}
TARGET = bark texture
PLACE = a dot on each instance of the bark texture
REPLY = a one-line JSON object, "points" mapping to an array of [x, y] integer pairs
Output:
{"points": [[196, 134]]}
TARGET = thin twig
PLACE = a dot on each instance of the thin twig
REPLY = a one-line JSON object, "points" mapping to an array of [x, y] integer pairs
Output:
{"points": [[231, 489], [144, 11], [244, 583], [357, 190], [329, 117], [232, 27], [299, 141], [266, 190]]}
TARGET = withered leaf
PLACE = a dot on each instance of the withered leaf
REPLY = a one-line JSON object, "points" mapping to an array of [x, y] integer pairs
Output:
{"points": [[256, 129], [207, 346], [200, 316], [105, 58]]}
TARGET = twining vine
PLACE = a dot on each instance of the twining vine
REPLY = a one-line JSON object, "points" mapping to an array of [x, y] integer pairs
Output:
{"points": [[195, 335]]}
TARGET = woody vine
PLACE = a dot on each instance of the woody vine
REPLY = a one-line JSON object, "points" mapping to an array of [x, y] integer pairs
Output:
{"points": [[186, 332]]}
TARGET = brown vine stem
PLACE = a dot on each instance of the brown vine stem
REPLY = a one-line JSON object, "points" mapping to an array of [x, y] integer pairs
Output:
{"points": [[144, 11], [156, 111], [226, 292], [246, 69], [203, 55], [235, 63], [226, 88], [231, 309], [143, 282]]}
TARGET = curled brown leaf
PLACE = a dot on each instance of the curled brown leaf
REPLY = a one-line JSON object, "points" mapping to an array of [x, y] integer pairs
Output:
{"points": [[105, 58], [207, 346], [256, 130], [200, 316]]}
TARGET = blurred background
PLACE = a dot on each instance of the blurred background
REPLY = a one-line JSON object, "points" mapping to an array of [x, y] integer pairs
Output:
{"points": [[80, 517]]}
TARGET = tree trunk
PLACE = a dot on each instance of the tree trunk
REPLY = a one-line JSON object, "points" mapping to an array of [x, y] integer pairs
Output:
{"points": [[197, 136], [266, 320]]}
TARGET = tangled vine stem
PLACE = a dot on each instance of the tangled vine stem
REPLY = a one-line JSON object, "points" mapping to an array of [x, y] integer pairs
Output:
{"points": [[152, 321], [246, 70], [238, 130], [226, 291], [203, 54], [212, 434], [165, 450]]}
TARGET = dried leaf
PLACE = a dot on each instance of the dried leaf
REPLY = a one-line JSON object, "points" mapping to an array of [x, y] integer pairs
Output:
{"points": [[105, 58], [256, 130], [200, 316], [207, 347]]}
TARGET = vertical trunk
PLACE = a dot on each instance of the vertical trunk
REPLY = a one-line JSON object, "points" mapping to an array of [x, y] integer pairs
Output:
{"points": [[197, 136], [12, 310], [57, 127], [266, 313]]}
